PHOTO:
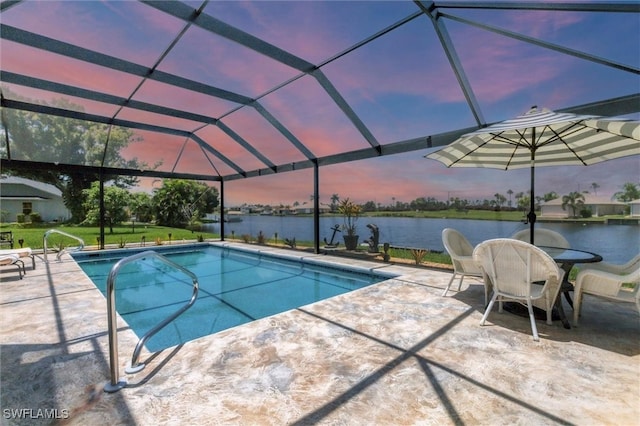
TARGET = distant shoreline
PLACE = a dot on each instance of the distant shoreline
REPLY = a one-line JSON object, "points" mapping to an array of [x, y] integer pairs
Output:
{"points": [[506, 216]]}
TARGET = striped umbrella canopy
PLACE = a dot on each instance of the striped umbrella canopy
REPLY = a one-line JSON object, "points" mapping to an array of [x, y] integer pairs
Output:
{"points": [[543, 138]]}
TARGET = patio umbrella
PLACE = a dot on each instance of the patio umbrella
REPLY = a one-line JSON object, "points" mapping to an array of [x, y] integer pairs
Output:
{"points": [[543, 138]]}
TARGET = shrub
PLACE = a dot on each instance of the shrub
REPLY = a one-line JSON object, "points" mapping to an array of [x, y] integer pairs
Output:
{"points": [[35, 217], [20, 218]]}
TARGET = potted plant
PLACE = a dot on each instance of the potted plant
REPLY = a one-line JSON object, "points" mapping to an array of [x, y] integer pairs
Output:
{"points": [[350, 213]]}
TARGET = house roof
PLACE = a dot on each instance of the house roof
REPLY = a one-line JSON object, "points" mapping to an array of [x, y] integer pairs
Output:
{"points": [[230, 90], [588, 200], [15, 180]]}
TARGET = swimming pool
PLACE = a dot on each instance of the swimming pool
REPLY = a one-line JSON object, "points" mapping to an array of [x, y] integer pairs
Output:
{"points": [[236, 287]]}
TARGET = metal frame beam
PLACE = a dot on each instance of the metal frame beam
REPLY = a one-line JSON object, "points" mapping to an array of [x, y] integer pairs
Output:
{"points": [[215, 26], [64, 89], [541, 43], [221, 28], [610, 107], [59, 112], [450, 51], [246, 145], [76, 168], [283, 130], [560, 6], [111, 62]]}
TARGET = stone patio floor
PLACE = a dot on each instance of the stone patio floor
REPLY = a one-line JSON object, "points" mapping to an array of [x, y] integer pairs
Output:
{"points": [[394, 353]]}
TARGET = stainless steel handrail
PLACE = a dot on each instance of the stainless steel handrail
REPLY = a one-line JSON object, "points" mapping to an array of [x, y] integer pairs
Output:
{"points": [[56, 231], [116, 383]]}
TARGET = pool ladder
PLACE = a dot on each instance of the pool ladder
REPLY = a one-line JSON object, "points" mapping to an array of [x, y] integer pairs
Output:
{"points": [[115, 383], [62, 250]]}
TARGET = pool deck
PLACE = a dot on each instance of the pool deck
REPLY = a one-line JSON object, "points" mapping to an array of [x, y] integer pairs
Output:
{"points": [[394, 353]]}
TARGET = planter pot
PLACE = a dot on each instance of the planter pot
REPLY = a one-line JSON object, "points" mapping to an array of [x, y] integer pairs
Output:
{"points": [[350, 241]]}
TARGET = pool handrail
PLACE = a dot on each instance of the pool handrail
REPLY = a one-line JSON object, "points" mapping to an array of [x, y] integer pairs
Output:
{"points": [[116, 383], [64, 250]]}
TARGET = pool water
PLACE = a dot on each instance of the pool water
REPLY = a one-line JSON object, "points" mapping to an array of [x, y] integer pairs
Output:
{"points": [[236, 287]]}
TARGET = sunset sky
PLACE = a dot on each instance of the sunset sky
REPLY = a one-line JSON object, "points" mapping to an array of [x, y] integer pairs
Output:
{"points": [[400, 85]]}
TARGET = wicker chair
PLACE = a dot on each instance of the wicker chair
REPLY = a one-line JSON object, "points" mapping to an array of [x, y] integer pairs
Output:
{"points": [[460, 250], [519, 271], [606, 280], [542, 237], [616, 268]]}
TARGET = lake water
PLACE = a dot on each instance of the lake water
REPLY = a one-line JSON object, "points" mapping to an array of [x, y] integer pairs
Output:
{"points": [[615, 243]]}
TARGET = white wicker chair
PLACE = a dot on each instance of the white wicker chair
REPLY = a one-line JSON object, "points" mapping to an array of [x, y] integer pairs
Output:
{"points": [[542, 237], [519, 271], [615, 268], [461, 250], [605, 280]]}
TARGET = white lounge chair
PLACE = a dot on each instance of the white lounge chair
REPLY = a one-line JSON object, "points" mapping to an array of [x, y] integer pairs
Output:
{"points": [[11, 259], [606, 280], [519, 271], [542, 237], [21, 252], [460, 250]]}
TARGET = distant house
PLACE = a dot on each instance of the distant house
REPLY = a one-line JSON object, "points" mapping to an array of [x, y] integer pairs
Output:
{"points": [[20, 195], [635, 208], [599, 206]]}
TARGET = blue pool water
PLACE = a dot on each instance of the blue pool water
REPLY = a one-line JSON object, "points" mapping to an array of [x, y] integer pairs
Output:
{"points": [[236, 287]]}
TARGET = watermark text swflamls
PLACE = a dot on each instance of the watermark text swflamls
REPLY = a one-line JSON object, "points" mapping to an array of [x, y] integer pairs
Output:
{"points": [[35, 413]]}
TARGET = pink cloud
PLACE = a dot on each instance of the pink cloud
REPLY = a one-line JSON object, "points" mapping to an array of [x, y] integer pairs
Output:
{"points": [[37, 63], [542, 24]]}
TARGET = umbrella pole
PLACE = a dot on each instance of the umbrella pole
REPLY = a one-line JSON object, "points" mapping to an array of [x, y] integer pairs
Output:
{"points": [[531, 217]]}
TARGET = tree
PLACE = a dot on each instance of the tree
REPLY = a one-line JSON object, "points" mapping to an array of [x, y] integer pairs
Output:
{"points": [[630, 192], [573, 200], [42, 137], [116, 202], [595, 187], [369, 206], [335, 199], [510, 192], [523, 202], [500, 199], [550, 196], [140, 205], [180, 202]]}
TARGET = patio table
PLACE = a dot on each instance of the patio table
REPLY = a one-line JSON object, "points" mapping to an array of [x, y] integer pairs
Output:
{"points": [[566, 259]]}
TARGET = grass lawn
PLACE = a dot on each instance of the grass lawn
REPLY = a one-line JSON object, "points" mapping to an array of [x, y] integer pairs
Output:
{"points": [[33, 235]]}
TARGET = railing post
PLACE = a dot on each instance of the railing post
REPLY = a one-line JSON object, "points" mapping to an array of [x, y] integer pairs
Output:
{"points": [[115, 384], [51, 231]]}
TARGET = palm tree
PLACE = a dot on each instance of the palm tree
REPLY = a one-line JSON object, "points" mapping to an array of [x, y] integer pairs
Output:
{"points": [[595, 187], [335, 198], [629, 192], [510, 192], [574, 200]]}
